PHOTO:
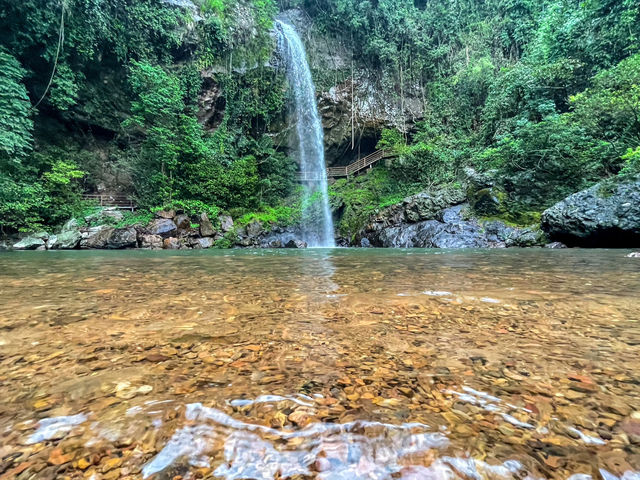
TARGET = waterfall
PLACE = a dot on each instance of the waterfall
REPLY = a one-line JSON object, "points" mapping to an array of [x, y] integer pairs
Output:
{"points": [[317, 224]]}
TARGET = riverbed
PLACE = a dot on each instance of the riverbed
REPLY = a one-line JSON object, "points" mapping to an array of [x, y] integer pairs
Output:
{"points": [[327, 364]]}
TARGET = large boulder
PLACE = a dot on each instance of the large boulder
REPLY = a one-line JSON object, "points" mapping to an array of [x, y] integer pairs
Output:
{"points": [[123, 238], [206, 227], [452, 227], [605, 215], [96, 237], [226, 223], [417, 208], [30, 243], [255, 229], [163, 227], [68, 238]]}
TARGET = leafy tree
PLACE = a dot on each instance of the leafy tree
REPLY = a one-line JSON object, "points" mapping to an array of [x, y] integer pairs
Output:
{"points": [[16, 125]]}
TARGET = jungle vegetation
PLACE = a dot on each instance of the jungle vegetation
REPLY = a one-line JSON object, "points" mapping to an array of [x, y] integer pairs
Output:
{"points": [[544, 94]]}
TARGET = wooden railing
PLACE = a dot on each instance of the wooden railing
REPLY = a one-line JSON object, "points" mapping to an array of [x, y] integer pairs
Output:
{"points": [[348, 170], [117, 201]]}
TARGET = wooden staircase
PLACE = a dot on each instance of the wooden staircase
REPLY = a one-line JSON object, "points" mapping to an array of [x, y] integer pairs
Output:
{"points": [[348, 170]]}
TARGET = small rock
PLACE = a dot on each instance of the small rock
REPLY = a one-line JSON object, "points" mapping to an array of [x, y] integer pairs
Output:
{"points": [[56, 457], [205, 243], [111, 463], [634, 255], [165, 214], [294, 243], [183, 222], [555, 245], [171, 243], [145, 389], [151, 241]]}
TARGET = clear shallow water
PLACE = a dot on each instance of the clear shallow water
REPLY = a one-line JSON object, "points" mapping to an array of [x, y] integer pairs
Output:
{"points": [[338, 364]]}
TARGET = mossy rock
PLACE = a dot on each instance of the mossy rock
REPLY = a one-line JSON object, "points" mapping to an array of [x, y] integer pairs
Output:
{"points": [[488, 201]]}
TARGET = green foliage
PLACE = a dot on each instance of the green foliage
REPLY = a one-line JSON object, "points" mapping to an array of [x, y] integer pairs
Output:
{"points": [[141, 217], [610, 108], [16, 125], [540, 163], [423, 165], [631, 161], [282, 215]]}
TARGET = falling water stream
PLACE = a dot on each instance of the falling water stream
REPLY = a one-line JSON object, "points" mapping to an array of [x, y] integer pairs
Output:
{"points": [[317, 224]]}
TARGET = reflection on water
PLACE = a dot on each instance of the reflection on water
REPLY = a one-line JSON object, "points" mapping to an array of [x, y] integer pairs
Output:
{"points": [[320, 364]]}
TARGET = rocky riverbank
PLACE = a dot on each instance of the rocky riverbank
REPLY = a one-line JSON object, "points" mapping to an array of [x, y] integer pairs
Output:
{"points": [[168, 230], [606, 215]]}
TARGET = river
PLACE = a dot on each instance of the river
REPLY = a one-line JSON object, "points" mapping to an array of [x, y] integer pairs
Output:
{"points": [[328, 364]]}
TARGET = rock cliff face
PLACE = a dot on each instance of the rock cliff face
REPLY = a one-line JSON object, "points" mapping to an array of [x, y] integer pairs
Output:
{"points": [[441, 220], [347, 90], [372, 99], [605, 215]]}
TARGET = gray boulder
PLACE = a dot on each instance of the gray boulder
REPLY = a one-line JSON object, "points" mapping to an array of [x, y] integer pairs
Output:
{"points": [[150, 241], [30, 243], [203, 243], [123, 238], [206, 227], [605, 215], [66, 240], [226, 223], [96, 237], [163, 227], [254, 229]]}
